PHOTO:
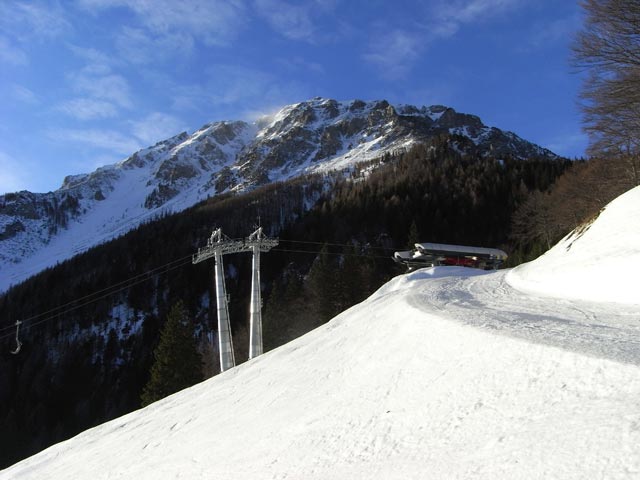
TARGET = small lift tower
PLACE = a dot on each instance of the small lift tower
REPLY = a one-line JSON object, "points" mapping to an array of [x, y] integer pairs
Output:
{"points": [[217, 246], [258, 243]]}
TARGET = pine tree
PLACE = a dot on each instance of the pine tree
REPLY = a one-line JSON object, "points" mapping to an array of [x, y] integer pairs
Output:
{"points": [[177, 363]]}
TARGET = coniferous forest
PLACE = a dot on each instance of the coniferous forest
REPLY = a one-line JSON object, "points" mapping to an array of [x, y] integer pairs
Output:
{"points": [[93, 323]]}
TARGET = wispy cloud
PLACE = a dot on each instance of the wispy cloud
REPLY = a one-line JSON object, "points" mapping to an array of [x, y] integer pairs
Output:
{"points": [[142, 47], [395, 52], [23, 23], [109, 140], [294, 64], [188, 97], [448, 16], [225, 85], [27, 20], [98, 92], [157, 126], [292, 21], [232, 92], [11, 54], [298, 20], [97, 61], [238, 85], [88, 108], [213, 22], [24, 95], [110, 88]]}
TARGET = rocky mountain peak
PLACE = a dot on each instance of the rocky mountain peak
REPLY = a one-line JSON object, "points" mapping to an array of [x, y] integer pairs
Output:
{"points": [[317, 135]]}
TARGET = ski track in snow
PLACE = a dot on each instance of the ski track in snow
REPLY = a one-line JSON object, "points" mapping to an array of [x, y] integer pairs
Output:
{"points": [[603, 330]]}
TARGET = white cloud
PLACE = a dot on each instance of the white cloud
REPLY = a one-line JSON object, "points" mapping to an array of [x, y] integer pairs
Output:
{"points": [[104, 139], [88, 108], [214, 22], [395, 52], [157, 126]]}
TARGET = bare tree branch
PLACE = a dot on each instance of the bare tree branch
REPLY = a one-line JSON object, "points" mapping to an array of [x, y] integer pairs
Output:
{"points": [[608, 48]]}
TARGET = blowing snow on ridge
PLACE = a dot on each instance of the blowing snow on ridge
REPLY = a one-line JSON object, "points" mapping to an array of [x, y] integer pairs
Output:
{"points": [[446, 372], [39, 230]]}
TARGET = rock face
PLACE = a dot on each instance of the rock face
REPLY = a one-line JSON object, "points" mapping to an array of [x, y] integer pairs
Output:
{"points": [[38, 230]]}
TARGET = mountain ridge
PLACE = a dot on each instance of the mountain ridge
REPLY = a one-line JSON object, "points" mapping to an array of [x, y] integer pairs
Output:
{"points": [[38, 230]]}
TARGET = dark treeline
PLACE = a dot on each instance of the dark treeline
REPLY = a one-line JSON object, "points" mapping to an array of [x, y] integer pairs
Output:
{"points": [[87, 365]]}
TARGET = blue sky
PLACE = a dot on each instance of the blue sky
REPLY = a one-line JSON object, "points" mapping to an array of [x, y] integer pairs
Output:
{"points": [[84, 83]]}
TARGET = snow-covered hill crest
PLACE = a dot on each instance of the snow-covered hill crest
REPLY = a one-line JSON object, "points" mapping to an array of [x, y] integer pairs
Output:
{"points": [[39, 230], [598, 261]]}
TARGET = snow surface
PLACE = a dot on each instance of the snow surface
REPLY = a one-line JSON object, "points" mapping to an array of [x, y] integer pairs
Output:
{"points": [[446, 372], [599, 262]]}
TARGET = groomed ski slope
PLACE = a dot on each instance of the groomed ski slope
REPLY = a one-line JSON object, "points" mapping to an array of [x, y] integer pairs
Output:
{"points": [[443, 373]]}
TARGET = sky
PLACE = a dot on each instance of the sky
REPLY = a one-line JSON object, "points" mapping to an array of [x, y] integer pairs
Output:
{"points": [[85, 83]]}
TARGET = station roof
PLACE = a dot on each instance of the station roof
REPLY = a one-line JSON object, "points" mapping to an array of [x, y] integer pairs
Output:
{"points": [[460, 250]]}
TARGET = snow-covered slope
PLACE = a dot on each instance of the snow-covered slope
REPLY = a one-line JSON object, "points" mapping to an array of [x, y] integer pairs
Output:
{"points": [[443, 373], [598, 262], [39, 230]]}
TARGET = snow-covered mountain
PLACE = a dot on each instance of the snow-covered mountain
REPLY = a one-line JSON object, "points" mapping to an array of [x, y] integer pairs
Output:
{"points": [[39, 230], [443, 373]]}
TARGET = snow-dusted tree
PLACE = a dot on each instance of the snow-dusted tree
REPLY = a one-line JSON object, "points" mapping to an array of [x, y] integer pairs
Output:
{"points": [[177, 363]]}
